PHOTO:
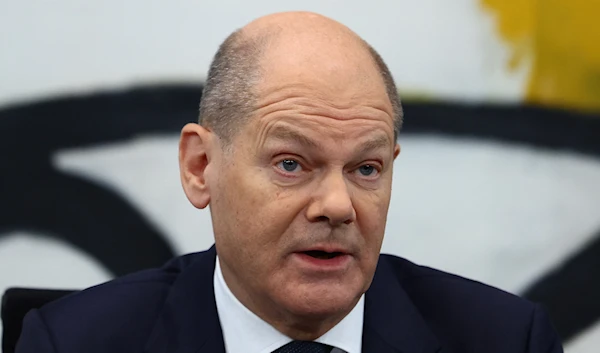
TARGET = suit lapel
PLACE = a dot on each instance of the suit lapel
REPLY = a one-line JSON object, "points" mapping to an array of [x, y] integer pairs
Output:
{"points": [[392, 322], [189, 321]]}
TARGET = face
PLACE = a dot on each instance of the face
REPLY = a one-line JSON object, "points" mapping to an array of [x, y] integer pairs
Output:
{"points": [[299, 200]]}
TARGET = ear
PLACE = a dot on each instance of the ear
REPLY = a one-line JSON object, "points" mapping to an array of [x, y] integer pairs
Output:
{"points": [[196, 149], [396, 150]]}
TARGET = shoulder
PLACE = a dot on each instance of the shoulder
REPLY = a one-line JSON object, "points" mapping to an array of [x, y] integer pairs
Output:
{"points": [[458, 309], [122, 311], [428, 285]]}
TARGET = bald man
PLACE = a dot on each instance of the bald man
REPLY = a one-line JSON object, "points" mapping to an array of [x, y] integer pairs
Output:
{"points": [[294, 153]]}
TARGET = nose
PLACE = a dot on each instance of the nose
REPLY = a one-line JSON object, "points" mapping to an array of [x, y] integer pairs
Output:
{"points": [[332, 202]]}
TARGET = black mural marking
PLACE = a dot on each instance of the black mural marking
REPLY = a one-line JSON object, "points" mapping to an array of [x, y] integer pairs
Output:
{"points": [[88, 216], [528, 125], [35, 196], [571, 293], [97, 220]]}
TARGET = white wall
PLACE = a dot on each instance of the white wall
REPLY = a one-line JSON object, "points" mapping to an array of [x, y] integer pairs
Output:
{"points": [[441, 48]]}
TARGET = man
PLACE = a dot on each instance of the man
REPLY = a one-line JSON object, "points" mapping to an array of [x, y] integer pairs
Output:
{"points": [[294, 154]]}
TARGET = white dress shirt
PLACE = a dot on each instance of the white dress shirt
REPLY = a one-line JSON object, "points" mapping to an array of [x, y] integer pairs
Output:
{"points": [[245, 332]]}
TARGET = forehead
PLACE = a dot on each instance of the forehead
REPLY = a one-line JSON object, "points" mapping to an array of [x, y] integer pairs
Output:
{"points": [[337, 69], [316, 125], [312, 82], [310, 134]]}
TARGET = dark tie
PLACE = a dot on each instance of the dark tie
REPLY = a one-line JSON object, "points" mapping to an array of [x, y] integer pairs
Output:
{"points": [[304, 347]]}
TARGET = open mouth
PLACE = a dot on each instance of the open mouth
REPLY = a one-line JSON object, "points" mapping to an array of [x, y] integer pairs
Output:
{"points": [[324, 255]]}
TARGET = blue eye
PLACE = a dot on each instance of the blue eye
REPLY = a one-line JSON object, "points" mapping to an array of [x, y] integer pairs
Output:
{"points": [[367, 169], [289, 165]]}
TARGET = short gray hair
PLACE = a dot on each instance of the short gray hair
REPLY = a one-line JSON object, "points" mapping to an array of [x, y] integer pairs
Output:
{"points": [[228, 97], [391, 89]]}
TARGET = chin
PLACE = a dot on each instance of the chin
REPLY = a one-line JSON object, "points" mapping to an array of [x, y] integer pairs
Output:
{"points": [[321, 301]]}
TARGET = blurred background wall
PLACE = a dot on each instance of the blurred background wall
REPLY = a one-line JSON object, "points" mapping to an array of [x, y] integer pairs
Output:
{"points": [[498, 180]]}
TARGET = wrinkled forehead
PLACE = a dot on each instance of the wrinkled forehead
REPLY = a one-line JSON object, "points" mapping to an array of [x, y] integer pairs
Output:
{"points": [[326, 134]]}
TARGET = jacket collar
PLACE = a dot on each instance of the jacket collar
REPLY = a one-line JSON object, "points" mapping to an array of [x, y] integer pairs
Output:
{"points": [[189, 321], [392, 322]]}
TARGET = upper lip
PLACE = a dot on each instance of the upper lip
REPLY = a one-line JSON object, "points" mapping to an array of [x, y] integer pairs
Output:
{"points": [[330, 248]]}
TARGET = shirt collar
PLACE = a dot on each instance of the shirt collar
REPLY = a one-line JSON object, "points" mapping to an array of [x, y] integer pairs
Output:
{"points": [[245, 332]]}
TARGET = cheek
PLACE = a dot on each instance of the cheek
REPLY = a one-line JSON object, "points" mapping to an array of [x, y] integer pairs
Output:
{"points": [[261, 212], [371, 216]]}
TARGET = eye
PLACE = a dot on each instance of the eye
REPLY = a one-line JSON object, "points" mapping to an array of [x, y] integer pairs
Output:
{"points": [[367, 170], [289, 165]]}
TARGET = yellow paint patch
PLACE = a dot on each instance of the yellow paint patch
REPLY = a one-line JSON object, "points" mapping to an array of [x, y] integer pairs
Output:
{"points": [[562, 39]]}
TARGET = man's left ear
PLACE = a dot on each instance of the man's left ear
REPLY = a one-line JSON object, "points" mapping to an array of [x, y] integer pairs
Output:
{"points": [[396, 150], [196, 145]]}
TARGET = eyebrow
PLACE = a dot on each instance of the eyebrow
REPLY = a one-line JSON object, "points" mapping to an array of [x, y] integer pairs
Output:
{"points": [[285, 134], [380, 141]]}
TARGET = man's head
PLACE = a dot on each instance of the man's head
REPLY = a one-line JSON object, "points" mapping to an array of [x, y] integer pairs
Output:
{"points": [[299, 181]]}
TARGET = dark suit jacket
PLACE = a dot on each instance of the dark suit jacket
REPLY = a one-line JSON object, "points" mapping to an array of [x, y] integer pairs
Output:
{"points": [[408, 309]]}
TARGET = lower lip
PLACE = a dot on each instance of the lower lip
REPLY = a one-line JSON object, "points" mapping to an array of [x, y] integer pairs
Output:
{"points": [[335, 263]]}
